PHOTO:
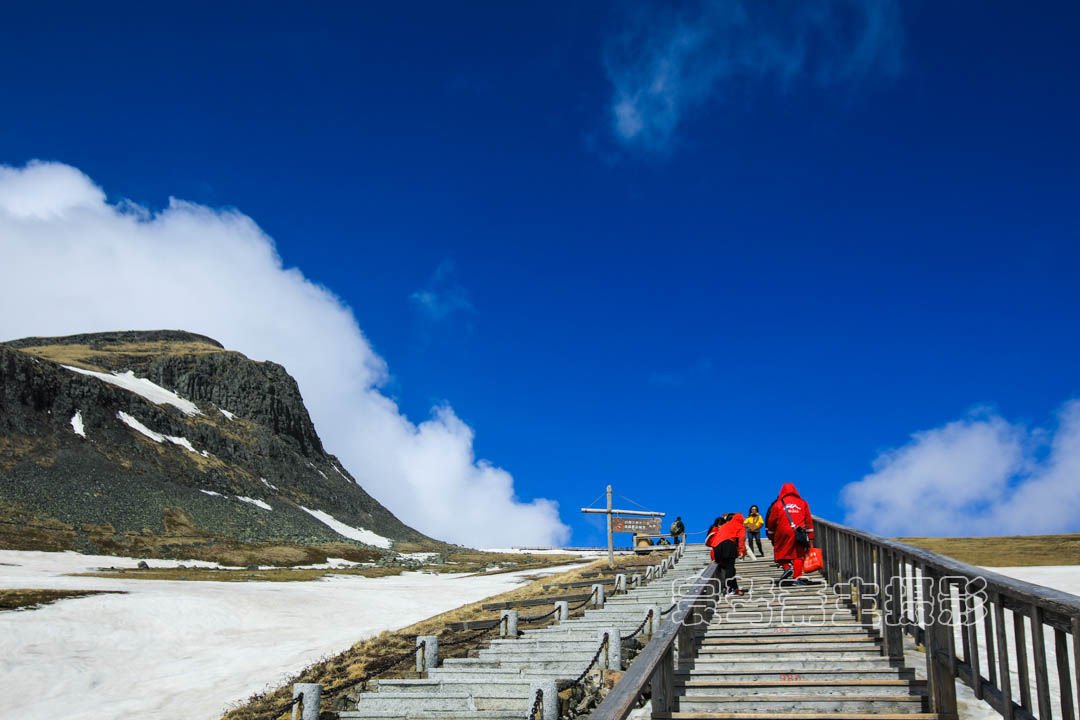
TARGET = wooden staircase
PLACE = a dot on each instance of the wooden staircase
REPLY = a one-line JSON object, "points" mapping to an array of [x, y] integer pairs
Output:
{"points": [[791, 653]]}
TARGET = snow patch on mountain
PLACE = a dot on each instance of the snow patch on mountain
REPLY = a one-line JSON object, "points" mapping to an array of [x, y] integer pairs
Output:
{"points": [[360, 534], [77, 424], [253, 501], [142, 387], [158, 437]]}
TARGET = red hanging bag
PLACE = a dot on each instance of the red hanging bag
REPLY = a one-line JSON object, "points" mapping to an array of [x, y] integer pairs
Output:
{"points": [[813, 560]]}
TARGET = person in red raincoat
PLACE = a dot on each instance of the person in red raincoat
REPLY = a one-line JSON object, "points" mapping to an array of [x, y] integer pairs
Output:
{"points": [[787, 553], [727, 538]]}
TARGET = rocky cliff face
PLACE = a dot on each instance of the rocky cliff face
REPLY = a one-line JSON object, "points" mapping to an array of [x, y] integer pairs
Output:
{"points": [[166, 433]]}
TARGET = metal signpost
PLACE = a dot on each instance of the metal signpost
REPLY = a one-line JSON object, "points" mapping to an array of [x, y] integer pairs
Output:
{"points": [[641, 521]]}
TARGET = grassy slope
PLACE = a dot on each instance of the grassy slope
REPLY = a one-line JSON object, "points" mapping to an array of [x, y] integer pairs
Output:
{"points": [[1008, 551]]}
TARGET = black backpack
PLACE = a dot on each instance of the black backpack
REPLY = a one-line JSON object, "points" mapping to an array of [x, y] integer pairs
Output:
{"points": [[802, 538]]}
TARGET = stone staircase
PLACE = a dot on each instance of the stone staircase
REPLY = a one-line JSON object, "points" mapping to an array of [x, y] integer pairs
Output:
{"points": [[792, 653], [499, 683]]}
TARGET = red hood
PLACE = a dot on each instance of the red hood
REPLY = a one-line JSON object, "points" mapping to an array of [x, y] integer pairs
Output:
{"points": [[738, 518], [789, 489]]}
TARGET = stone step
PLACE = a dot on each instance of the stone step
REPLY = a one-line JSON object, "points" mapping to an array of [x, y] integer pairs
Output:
{"points": [[571, 667], [517, 687], [550, 644], [486, 674], [831, 687], [397, 702], [434, 715], [527, 657], [868, 703], [413, 703]]}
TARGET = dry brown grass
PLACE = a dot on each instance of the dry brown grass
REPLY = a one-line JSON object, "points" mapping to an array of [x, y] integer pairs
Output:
{"points": [[15, 447], [21, 528], [32, 599], [335, 672], [1006, 551], [88, 358], [198, 574]]}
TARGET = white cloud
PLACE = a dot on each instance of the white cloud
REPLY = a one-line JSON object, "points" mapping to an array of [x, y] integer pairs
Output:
{"points": [[978, 476], [74, 263], [443, 295], [665, 63]]}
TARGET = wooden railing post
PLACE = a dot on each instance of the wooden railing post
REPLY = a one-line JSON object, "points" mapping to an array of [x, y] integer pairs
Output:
{"points": [[1038, 645], [971, 634], [1004, 681], [1022, 679], [890, 609], [664, 699], [1061, 650], [938, 647]]}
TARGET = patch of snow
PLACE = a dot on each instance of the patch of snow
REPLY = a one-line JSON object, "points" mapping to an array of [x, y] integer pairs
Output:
{"points": [[253, 501], [211, 492], [267, 484], [420, 556], [551, 551], [199, 645], [77, 424], [143, 387], [227, 414], [158, 437], [339, 471], [136, 425], [360, 534]]}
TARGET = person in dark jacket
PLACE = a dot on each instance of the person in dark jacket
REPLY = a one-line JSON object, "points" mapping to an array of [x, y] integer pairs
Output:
{"points": [[788, 513], [677, 529], [727, 538]]}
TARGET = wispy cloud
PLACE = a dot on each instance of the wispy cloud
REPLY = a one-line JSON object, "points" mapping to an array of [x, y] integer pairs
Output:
{"points": [[666, 63], [216, 272], [980, 475], [699, 372], [443, 296]]}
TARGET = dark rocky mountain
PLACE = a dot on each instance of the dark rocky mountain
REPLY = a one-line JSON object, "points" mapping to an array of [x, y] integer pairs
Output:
{"points": [[175, 442]]}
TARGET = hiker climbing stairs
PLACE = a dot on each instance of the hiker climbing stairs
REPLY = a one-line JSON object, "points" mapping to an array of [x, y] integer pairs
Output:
{"points": [[501, 680], [791, 652]]}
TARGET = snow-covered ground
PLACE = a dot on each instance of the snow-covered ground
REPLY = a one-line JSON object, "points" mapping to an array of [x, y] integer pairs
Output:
{"points": [[551, 551], [1065, 578], [186, 650]]}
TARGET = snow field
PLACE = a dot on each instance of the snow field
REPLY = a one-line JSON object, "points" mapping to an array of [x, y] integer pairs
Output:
{"points": [[187, 650]]}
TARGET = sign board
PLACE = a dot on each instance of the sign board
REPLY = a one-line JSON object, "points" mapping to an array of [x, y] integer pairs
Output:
{"points": [[645, 525]]}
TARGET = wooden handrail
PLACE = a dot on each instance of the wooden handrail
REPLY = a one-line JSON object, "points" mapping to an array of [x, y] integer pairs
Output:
{"points": [[657, 655], [877, 568]]}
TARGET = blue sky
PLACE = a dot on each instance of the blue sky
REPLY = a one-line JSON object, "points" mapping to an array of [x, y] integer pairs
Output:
{"points": [[817, 233]]}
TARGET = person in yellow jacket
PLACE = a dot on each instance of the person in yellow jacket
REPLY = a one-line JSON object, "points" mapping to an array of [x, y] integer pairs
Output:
{"points": [[754, 522]]}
